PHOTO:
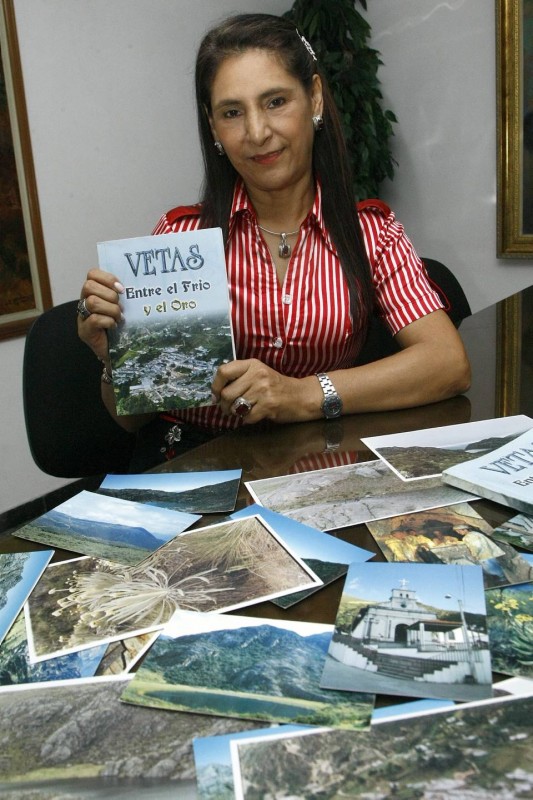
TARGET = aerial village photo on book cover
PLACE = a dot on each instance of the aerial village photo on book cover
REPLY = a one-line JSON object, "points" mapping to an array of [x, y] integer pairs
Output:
{"points": [[176, 329]]}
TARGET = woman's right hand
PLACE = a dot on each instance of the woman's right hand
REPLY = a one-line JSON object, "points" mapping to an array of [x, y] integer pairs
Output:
{"points": [[101, 292]]}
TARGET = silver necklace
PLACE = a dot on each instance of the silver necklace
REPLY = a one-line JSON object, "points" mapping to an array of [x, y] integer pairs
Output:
{"points": [[284, 248]]}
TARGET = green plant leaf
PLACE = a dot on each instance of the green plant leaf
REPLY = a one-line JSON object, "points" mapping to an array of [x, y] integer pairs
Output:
{"points": [[339, 35]]}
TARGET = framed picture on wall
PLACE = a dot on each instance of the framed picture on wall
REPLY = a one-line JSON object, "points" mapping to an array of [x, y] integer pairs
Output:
{"points": [[514, 368], [24, 283], [514, 74]]}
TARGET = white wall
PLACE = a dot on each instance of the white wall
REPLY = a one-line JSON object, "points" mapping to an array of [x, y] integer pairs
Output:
{"points": [[109, 96], [439, 77]]}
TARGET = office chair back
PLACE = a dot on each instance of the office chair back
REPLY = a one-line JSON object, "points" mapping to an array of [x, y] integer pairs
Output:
{"points": [[70, 433], [380, 343]]}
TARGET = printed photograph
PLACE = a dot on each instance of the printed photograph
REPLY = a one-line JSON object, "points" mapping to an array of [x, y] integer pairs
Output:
{"points": [[517, 531], [120, 657], [86, 602], [403, 538], [333, 498], [454, 535], [226, 566], [326, 555], [213, 762], [426, 453], [245, 667], [19, 572], [16, 668], [105, 527], [461, 752], [423, 636], [510, 626], [76, 740], [195, 492]]}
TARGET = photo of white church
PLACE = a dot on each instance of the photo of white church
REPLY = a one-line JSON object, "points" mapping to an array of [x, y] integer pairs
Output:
{"points": [[427, 638]]}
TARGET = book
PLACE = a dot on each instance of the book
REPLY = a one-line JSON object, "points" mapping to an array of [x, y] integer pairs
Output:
{"points": [[504, 475], [176, 329]]}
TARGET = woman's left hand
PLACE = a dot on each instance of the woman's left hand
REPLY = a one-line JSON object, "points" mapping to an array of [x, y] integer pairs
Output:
{"points": [[271, 395]]}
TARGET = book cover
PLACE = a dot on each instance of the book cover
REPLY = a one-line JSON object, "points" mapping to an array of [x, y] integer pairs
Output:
{"points": [[177, 327], [504, 475]]}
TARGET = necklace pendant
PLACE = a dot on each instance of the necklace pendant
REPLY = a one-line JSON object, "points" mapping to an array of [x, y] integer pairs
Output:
{"points": [[284, 249]]}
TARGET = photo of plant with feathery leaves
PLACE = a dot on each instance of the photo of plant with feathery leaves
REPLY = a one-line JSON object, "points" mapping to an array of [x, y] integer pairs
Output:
{"points": [[223, 566]]}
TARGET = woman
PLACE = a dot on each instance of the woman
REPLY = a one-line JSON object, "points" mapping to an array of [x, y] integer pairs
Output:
{"points": [[305, 265]]}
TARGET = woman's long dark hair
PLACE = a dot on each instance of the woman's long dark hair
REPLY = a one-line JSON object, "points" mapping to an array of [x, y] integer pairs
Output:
{"points": [[330, 160]]}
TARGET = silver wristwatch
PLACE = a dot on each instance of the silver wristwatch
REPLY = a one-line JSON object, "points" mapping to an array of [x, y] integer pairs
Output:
{"points": [[332, 405]]}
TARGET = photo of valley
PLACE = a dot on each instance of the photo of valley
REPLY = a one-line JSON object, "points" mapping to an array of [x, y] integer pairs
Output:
{"points": [[163, 365], [84, 601], [193, 492], [243, 667], [475, 752], [106, 527], [426, 453], [510, 625], [76, 741], [333, 498]]}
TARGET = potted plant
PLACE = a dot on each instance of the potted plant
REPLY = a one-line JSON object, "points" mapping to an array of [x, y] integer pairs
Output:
{"points": [[339, 36]]}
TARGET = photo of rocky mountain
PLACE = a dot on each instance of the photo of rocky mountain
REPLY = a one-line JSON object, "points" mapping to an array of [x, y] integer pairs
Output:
{"points": [[475, 751], [336, 497], [91, 745]]}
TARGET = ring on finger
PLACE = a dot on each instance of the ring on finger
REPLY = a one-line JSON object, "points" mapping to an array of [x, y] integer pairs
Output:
{"points": [[241, 407], [83, 311]]}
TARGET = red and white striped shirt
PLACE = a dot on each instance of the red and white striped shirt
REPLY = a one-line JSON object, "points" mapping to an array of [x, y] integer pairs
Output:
{"points": [[304, 326]]}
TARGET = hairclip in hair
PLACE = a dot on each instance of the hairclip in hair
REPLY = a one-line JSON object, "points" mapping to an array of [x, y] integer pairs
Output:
{"points": [[307, 45]]}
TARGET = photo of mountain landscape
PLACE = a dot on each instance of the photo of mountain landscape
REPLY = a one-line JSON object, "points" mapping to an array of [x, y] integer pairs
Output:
{"points": [[193, 492], [247, 668], [78, 740], [470, 751], [336, 497], [426, 453], [106, 527]]}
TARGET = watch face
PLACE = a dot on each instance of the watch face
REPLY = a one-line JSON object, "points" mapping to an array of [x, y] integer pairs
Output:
{"points": [[332, 407]]}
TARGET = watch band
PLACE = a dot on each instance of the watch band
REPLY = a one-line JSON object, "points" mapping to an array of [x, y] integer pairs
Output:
{"points": [[332, 405]]}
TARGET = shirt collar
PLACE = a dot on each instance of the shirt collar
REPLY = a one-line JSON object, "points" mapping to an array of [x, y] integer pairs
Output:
{"points": [[242, 205]]}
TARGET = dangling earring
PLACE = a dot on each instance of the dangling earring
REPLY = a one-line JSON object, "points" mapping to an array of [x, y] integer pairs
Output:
{"points": [[318, 122], [220, 150]]}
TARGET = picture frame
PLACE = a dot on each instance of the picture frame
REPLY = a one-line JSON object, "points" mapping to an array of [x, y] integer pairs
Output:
{"points": [[514, 354], [24, 283], [514, 81]]}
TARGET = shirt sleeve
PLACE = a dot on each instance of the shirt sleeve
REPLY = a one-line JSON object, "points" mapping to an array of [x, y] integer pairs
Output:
{"points": [[403, 292], [181, 218]]}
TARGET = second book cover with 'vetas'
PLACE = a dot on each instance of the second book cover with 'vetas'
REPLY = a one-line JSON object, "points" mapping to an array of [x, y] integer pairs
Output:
{"points": [[176, 329]]}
